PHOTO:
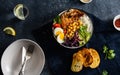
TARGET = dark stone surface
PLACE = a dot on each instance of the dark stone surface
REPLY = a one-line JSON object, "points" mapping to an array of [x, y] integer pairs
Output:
{"points": [[58, 58]]}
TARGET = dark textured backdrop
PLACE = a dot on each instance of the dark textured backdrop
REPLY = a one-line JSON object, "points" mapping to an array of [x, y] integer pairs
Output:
{"points": [[37, 25]]}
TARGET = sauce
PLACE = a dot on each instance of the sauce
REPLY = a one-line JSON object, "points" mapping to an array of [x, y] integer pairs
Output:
{"points": [[117, 23]]}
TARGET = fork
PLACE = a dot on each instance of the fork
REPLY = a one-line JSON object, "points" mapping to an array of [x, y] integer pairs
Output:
{"points": [[27, 57]]}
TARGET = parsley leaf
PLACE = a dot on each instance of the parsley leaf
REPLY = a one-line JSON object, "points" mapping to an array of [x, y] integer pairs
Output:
{"points": [[104, 72], [105, 49], [109, 54], [57, 19]]}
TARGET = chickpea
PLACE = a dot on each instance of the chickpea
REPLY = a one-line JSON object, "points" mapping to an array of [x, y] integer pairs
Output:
{"points": [[71, 28], [75, 26], [68, 36], [78, 27], [74, 29], [68, 30]]}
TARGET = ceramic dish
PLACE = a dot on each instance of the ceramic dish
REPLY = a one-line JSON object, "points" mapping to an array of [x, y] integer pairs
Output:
{"points": [[11, 60], [116, 22], [72, 28], [86, 1]]}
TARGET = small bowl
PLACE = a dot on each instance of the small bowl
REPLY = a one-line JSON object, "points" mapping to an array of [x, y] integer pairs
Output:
{"points": [[86, 1], [114, 20]]}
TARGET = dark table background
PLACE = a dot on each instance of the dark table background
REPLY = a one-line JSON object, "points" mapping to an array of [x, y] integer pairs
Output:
{"points": [[37, 25]]}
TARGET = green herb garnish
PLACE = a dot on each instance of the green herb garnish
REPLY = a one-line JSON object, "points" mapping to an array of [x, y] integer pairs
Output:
{"points": [[105, 49], [109, 54], [104, 72], [57, 19]]}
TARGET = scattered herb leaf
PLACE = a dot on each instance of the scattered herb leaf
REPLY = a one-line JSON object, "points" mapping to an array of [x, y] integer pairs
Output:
{"points": [[105, 49], [104, 72], [109, 54], [111, 51]]}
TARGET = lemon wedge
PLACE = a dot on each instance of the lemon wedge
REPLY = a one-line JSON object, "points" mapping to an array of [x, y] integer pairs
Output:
{"points": [[18, 12], [10, 31]]}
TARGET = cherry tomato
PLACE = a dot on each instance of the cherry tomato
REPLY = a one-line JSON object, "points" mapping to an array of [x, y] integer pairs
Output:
{"points": [[56, 25]]}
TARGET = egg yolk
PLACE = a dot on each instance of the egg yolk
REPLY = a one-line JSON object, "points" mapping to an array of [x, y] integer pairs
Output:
{"points": [[61, 36], [58, 32]]}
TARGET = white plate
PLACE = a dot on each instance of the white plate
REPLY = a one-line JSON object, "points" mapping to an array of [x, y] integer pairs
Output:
{"points": [[11, 60]]}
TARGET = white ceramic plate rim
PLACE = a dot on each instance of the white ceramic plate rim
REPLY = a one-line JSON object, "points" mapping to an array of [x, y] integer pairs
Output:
{"points": [[43, 55]]}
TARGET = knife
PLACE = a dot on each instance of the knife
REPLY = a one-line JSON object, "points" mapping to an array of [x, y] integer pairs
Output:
{"points": [[23, 59], [23, 54]]}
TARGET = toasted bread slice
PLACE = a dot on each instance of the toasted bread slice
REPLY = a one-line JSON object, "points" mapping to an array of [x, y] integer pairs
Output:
{"points": [[88, 59], [77, 62], [96, 58]]}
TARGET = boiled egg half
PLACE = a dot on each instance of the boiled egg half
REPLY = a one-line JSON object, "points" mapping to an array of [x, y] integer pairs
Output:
{"points": [[58, 31], [60, 38]]}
